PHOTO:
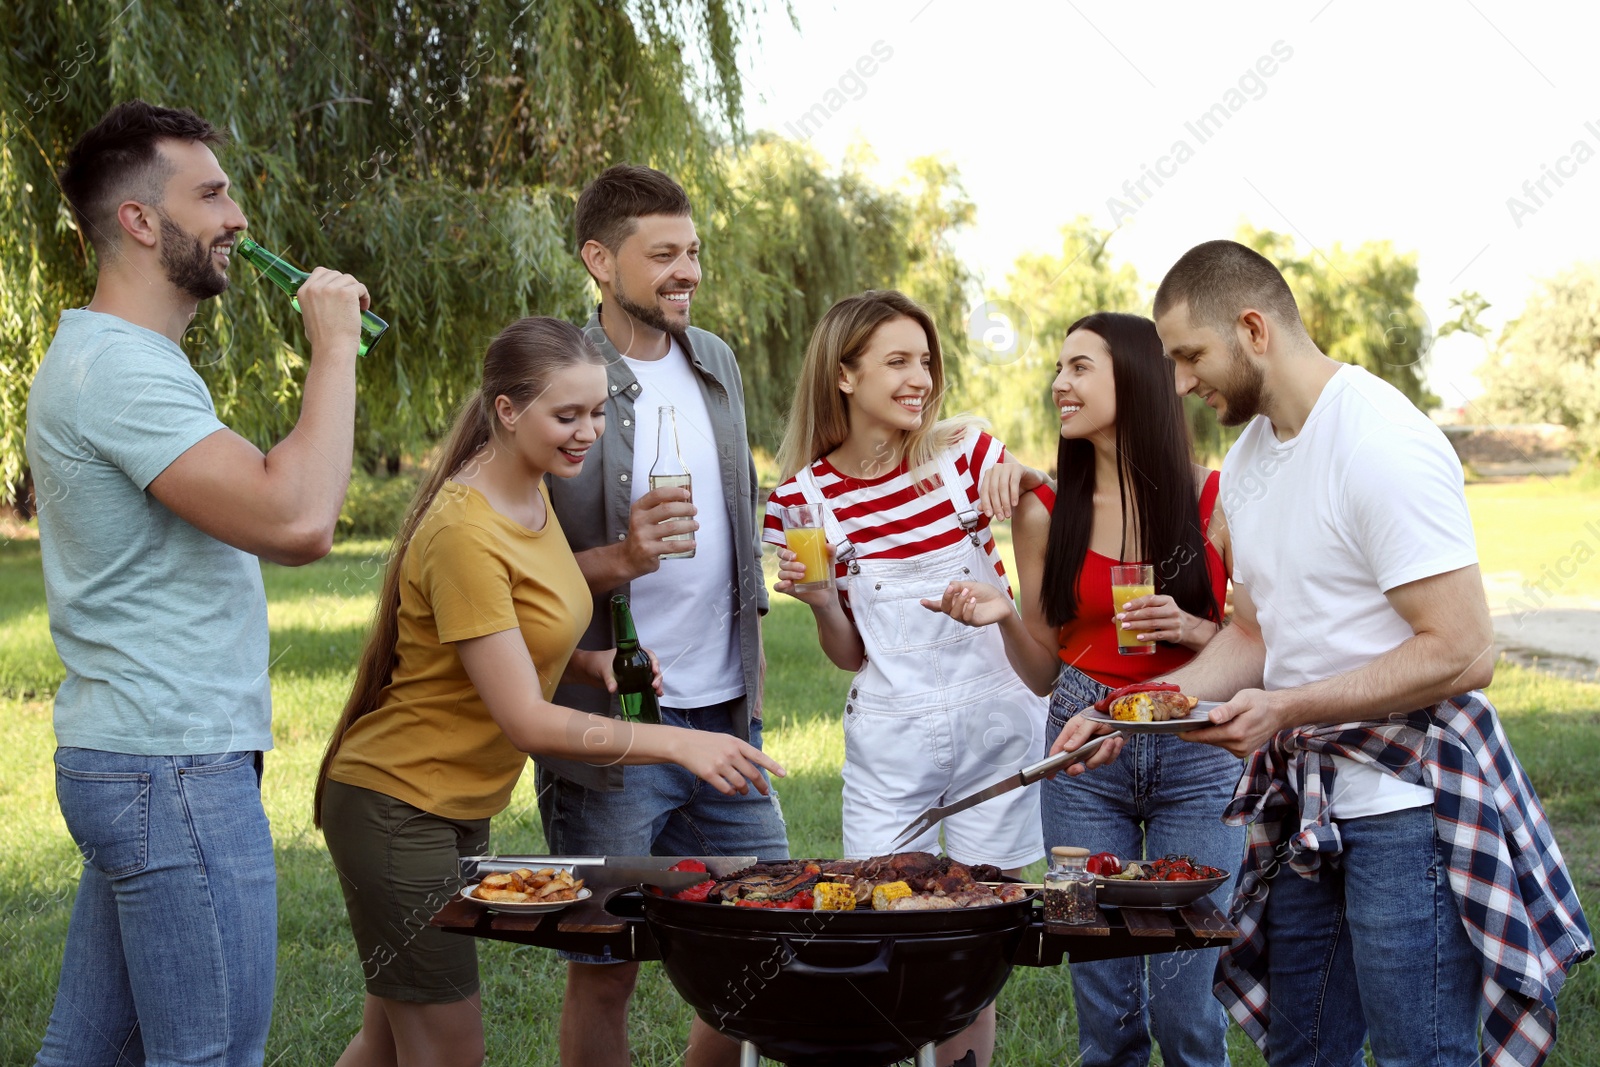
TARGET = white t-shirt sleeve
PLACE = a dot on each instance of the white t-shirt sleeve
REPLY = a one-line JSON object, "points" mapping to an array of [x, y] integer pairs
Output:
{"points": [[1405, 508]]}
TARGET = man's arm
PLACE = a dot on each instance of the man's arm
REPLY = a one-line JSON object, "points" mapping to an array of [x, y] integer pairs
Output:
{"points": [[1231, 663], [1234, 660], [609, 567], [1450, 652], [282, 506]]}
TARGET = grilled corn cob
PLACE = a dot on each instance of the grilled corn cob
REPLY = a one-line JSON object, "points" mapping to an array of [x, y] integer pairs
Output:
{"points": [[834, 896], [884, 895], [1151, 707]]}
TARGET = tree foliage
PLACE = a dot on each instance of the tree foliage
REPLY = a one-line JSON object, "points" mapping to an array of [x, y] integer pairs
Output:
{"points": [[1008, 382], [795, 236], [1359, 306], [1469, 306], [432, 149], [1546, 365], [933, 274]]}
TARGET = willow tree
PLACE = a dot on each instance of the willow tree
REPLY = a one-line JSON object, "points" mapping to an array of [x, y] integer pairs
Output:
{"points": [[431, 147], [1359, 305], [1045, 293], [794, 236]]}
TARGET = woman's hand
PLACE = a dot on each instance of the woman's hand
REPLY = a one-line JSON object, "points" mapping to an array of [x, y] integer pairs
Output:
{"points": [[1003, 485], [594, 668], [791, 570], [974, 603], [1158, 618], [723, 761]]}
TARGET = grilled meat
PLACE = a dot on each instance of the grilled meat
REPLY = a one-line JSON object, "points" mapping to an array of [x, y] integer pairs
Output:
{"points": [[782, 883], [936, 882], [924, 902]]}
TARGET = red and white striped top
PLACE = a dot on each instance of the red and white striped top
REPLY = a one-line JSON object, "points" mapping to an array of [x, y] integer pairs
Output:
{"points": [[886, 518]]}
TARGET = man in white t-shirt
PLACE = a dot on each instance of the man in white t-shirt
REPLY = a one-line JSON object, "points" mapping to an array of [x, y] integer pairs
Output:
{"points": [[1359, 615], [699, 615]]}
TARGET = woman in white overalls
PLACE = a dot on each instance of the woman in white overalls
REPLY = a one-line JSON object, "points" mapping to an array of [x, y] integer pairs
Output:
{"points": [[935, 710]]}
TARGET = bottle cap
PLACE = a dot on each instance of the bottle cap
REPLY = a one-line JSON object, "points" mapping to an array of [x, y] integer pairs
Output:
{"points": [[1064, 852]]}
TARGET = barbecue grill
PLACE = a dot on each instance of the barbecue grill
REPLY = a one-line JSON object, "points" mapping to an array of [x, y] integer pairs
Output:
{"points": [[853, 989]]}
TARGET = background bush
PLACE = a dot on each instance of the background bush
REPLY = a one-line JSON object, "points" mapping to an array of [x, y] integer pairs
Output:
{"points": [[375, 505]]}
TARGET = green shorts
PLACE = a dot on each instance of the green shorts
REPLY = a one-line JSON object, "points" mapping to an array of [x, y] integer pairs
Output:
{"points": [[398, 865]]}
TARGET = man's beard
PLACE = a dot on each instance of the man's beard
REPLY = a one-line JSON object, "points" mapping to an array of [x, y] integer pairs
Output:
{"points": [[187, 262], [649, 314], [1244, 391]]}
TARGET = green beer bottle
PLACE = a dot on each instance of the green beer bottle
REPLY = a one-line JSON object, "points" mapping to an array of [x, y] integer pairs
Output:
{"points": [[289, 278], [631, 665]]}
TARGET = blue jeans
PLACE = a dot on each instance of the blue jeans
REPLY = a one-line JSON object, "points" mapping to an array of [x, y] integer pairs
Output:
{"points": [[663, 810], [1375, 947], [172, 948], [1162, 795]]}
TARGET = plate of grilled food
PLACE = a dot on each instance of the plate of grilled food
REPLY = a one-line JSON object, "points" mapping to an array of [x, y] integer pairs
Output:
{"points": [[1151, 708], [525, 891]]}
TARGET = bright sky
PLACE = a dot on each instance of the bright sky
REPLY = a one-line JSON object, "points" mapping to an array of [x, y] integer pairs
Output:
{"points": [[1413, 122]]}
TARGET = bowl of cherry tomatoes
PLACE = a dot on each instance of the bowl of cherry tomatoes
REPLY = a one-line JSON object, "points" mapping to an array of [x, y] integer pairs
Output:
{"points": [[1169, 882]]}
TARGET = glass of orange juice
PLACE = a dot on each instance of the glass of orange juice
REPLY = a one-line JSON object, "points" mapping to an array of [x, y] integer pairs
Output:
{"points": [[1130, 581], [803, 533]]}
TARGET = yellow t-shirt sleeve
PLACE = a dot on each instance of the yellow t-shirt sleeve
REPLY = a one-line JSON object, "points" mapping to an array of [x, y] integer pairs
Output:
{"points": [[467, 583]]}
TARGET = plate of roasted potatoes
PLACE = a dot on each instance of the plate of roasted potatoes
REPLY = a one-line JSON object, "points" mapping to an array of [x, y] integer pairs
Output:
{"points": [[525, 891]]}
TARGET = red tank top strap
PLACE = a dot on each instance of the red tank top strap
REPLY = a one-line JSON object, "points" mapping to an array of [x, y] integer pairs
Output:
{"points": [[1208, 500], [1047, 497]]}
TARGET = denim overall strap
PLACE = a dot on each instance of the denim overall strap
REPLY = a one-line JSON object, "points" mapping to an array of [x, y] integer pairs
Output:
{"points": [[967, 515], [844, 550]]}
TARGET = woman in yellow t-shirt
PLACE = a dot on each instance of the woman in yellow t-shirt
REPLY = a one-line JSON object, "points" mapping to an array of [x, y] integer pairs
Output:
{"points": [[479, 618]]}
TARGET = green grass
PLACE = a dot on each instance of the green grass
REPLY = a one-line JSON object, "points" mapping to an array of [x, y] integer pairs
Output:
{"points": [[1534, 524], [319, 616]]}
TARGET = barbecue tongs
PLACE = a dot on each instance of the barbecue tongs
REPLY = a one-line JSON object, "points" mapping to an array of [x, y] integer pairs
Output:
{"points": [[1027, 776]]}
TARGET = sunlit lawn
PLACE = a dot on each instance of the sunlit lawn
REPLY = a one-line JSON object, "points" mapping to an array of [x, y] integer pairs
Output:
{"points": [[1548, 529], [319, 616]]}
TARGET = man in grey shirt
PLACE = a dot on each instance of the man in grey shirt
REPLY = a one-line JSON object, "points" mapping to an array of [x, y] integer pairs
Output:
{"points": [[700, 615], [152, 514]]}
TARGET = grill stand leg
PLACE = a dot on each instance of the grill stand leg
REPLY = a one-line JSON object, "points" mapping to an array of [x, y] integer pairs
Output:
{"points": [[750, 1056]]}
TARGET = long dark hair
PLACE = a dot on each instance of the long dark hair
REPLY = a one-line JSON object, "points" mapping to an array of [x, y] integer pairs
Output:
{"points": [[518, 365], [1155, 469]]}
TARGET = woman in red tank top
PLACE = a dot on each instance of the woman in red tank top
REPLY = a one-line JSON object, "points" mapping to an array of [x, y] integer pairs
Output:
{"points": [[1129, 491]]}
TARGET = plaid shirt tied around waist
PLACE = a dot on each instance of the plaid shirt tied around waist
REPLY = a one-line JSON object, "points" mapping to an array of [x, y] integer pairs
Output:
{"points": [[1509, 879]]}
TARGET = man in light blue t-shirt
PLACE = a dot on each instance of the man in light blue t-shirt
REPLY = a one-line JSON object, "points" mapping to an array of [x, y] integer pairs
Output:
{"points": [[151, 516]]}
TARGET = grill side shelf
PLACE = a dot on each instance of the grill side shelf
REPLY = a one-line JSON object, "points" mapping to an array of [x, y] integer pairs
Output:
{"points": [[1101, 927], [1122, 932], [1204, 920], [590, 916], [1147, 922]]}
